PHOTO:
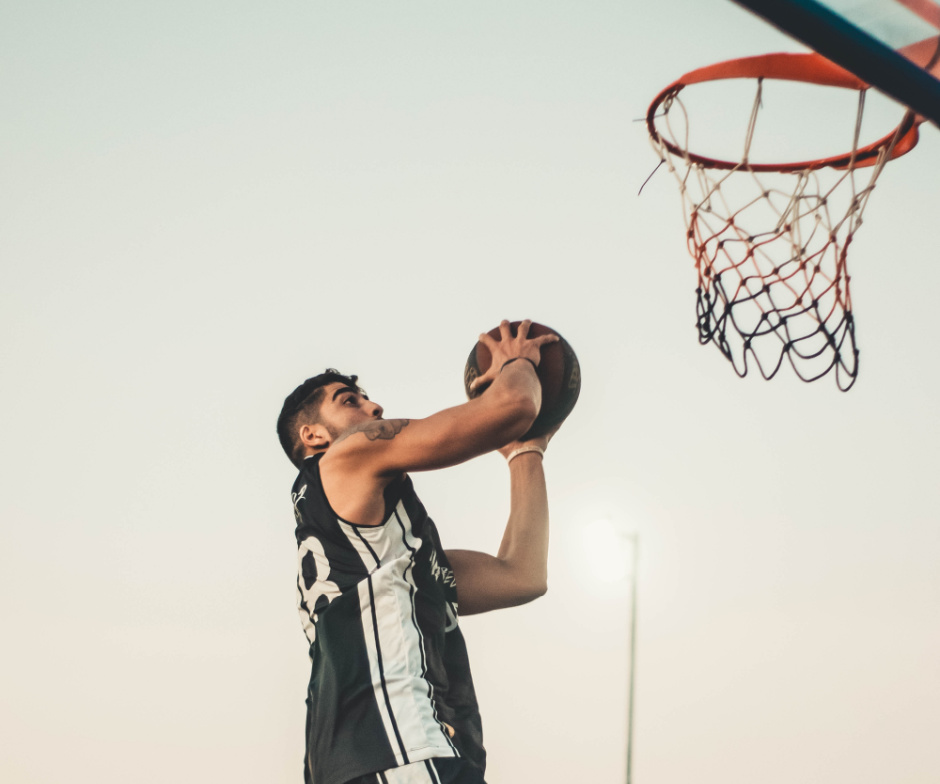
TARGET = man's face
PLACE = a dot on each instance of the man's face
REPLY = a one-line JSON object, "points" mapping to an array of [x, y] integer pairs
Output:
{"points": [[344, 407]]}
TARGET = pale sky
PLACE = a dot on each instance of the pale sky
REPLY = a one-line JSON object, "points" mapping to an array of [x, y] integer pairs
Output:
{"points": [[204, 203]]}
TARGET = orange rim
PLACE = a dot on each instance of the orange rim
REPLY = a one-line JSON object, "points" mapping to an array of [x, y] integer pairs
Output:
{"points": [[810, 68]]}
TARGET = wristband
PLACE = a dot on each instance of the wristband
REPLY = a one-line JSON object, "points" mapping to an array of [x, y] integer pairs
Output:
{"points": [[524, 449], [510, 361]]}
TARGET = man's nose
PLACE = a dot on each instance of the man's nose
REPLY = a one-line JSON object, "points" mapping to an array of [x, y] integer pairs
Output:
{"points": [[377, 410]]}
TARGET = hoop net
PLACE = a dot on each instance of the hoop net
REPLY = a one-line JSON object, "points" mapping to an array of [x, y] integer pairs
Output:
{"points": [[770, 241]]}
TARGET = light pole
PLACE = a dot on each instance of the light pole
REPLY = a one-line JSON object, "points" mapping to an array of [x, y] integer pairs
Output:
{"points": [[635, 547], [605, 545]]}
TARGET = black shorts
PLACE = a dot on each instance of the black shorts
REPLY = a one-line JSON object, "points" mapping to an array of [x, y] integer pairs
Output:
{"points": [[449, 770]]}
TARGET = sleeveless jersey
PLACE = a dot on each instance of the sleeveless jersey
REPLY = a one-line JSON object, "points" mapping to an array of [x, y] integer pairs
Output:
{"points": [[390, 681]]}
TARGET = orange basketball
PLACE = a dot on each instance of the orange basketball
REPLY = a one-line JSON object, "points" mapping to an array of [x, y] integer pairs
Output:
{"points": [[559, 374]]}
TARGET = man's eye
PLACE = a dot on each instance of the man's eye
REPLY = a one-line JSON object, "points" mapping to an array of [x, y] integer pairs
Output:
{"points": [[349, 401]]}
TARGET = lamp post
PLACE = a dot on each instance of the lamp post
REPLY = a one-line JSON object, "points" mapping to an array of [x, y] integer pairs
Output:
{"points": [[606, 544], [635, 547]]}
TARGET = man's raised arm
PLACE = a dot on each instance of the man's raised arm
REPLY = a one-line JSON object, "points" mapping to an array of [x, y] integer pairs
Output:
{"points": [[506, 409], [518, 573]]}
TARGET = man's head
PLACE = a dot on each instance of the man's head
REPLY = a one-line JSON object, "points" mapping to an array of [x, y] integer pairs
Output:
{"points": [[320, 410]]}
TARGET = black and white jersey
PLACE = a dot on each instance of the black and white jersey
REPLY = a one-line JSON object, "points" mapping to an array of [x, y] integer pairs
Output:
{"points": [[390, 682]]}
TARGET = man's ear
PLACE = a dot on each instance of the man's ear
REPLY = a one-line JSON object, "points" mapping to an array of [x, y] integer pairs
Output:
{"points": [[314, 437]]}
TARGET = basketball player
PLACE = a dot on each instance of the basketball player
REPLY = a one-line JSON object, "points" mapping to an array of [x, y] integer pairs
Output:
{"points": [[390, 699]]}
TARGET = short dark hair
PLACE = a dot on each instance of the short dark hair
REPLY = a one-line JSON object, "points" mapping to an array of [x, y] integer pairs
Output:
{"points": [[302, 401]]}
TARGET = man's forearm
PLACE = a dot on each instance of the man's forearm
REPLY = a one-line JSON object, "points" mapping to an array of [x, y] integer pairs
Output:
{"points": [[525, 542], [519, 572]]}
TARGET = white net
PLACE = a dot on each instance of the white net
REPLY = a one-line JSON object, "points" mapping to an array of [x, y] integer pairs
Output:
{"points": [[770, 245]]}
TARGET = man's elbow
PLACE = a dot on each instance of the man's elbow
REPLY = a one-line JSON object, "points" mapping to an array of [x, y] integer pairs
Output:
{"points": [[520, 411], [533, 591]]}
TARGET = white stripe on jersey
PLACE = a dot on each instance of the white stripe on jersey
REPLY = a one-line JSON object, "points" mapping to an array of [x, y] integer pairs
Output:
{"points": [[359, 541], [415, 773], [322, 586], [376, 659], [395, 647], [413, 543]]}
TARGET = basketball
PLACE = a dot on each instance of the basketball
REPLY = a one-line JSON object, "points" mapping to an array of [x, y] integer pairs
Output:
{"points": [[559, 374]]}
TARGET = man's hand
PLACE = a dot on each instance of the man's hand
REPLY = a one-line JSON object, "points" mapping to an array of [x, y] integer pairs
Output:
{"points": [[508, 347]]}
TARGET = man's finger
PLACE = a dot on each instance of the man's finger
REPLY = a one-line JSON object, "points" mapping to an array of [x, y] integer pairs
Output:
{"points": [[487, 340], [486, 378]]}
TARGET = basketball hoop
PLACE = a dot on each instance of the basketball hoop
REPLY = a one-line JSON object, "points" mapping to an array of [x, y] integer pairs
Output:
{"points": [[770, 240]]}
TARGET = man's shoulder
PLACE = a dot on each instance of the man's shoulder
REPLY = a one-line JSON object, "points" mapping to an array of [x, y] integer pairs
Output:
{"points": [[309, 468], [306, 496]]}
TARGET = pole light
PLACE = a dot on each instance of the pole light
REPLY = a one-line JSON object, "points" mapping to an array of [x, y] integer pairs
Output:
{"points": [[635, 541], [615, 556]]}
